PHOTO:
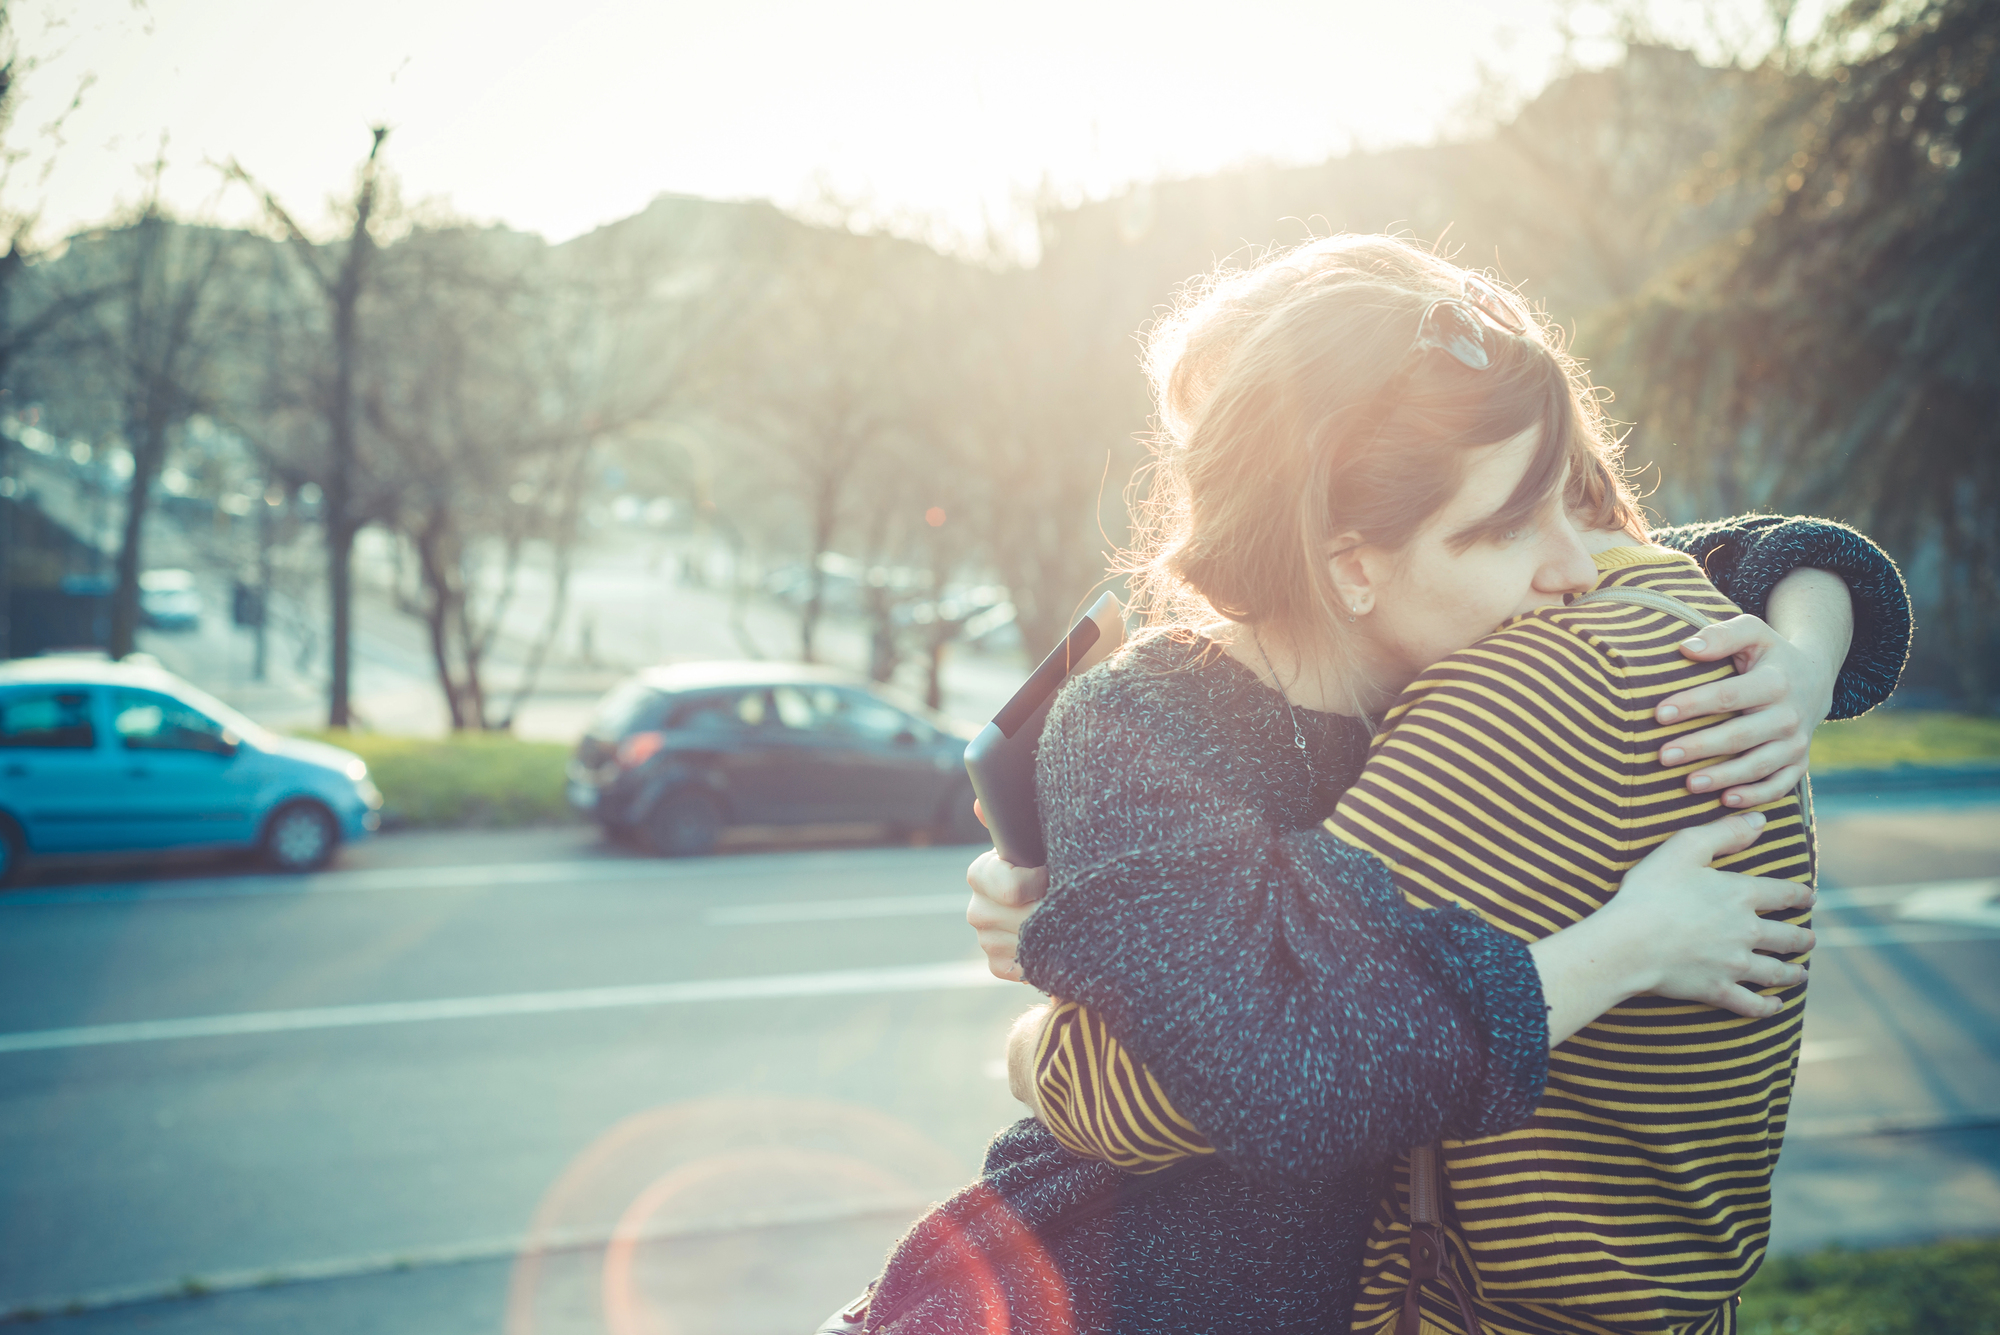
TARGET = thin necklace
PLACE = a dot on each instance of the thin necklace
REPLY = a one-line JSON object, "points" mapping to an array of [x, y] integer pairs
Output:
{"points": [[1298, 733]]}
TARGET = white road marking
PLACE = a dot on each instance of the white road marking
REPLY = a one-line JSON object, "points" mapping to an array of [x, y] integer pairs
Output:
{"points": [[1829, 1050], [1970, 902], [1880, 896], [828, 910], [849, 982], [408, 880], [1927, 912]]}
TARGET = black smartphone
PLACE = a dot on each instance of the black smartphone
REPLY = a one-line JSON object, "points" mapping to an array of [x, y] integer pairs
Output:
{"points": [[1001, 759]]}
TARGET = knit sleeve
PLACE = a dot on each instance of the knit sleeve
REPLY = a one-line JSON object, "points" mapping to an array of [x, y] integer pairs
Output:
{"points": [[1275, 983], [1748, 555]]}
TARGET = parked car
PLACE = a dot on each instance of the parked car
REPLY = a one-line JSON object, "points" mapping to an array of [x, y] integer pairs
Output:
{"points": [[100, 757], [168, 600], [679, 754]]}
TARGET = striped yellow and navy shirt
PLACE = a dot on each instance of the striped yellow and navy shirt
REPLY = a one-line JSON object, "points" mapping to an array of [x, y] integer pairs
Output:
{"points": [[1521, 779]]}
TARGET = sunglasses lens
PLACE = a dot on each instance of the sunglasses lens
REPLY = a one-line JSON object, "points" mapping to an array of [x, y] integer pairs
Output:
{"points": [[1493, 304], [1452, 327]]}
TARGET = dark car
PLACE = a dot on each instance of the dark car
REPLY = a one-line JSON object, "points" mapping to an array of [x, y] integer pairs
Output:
{"points": [[679, 754]]}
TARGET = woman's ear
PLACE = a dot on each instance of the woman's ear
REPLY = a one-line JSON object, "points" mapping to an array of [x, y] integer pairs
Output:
{"points": [[1359, 570]]}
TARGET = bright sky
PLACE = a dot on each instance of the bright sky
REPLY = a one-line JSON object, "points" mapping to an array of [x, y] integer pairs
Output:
{"points": [[556, 118]]}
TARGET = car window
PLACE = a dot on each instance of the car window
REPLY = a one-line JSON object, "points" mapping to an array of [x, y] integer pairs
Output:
{"points": [[720, 713], [863, 716], [795, 707], [56, 718], [148, 722], [632, 707]]}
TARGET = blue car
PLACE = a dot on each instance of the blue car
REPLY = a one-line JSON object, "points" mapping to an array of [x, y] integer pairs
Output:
{"points": [[102, 757]]}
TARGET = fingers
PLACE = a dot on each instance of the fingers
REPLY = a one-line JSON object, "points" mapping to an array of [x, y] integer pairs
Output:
{"points": [[1002, 961], [1703, 844], [1743, 1001], [978, 813], [1750, 690], [1004, 883], [1767, 723], [1768, 790], [1755, 765], [987, 915], [1769, 895], [1741, 634], [1763, 971], [1781, 938]]}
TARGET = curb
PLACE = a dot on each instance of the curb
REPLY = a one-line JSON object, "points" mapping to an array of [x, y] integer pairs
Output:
{"points": [[424, 1258], [1918, 1124]]}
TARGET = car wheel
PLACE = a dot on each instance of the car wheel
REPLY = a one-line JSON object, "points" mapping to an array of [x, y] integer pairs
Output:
{"points": [[683, 825], [300, 836], [13, 851], [956, 824]]}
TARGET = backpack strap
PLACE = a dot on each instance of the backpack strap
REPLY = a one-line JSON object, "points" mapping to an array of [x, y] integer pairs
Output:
{"points": [[1428, 1257]]}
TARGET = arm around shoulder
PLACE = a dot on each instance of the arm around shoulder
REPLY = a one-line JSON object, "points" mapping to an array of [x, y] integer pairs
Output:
{"points": [[1750, 555]]}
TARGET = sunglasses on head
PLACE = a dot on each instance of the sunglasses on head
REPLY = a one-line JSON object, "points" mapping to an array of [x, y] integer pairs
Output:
{"points": [[1462, 326], [1465, 327]]}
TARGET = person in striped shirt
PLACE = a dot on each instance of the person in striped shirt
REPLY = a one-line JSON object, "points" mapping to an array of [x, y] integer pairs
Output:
{"points": [[1350, 410], [1520, 778]]}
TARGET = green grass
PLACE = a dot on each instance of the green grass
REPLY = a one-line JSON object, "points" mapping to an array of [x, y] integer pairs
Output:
{"points": [[1945, 1288], [468, 780], [1887, 738], [485, 780]]}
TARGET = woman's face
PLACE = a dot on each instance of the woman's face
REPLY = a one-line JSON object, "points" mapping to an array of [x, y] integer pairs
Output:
{"points": [[1441, 591]]}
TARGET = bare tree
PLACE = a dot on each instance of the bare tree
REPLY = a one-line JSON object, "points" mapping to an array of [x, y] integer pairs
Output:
{"points": [[29, 312], [821, 376], [499, 371], [342, 280], [137, 364]]}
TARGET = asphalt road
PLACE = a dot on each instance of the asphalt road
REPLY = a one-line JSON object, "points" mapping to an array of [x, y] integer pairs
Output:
{"points": [[518, 1082]]}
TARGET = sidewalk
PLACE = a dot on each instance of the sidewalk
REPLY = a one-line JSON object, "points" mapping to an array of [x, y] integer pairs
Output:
{"points": [[1900, 1031]]}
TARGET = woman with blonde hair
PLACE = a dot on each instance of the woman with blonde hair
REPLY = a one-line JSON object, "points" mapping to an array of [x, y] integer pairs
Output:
{"points": [[1371, 458]]}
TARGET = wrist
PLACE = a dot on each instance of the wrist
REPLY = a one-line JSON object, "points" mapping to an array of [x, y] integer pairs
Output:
{"points": [[1814, 612], [1024, 1041], [1617, 947]]}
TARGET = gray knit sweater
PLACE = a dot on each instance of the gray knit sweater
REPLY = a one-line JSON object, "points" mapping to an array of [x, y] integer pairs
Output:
{"points": [[1272, 978]]}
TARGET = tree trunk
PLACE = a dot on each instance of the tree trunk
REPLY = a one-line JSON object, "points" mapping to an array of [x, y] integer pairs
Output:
{"points": [[148, 455], [883, 653], [560, 549], [438, 617], [934, 682], [339, 491], [340, 597], [825, 511]]}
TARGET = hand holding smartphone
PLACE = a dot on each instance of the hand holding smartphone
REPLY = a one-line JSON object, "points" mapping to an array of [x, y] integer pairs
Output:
{"points": [[1001, 759]]}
